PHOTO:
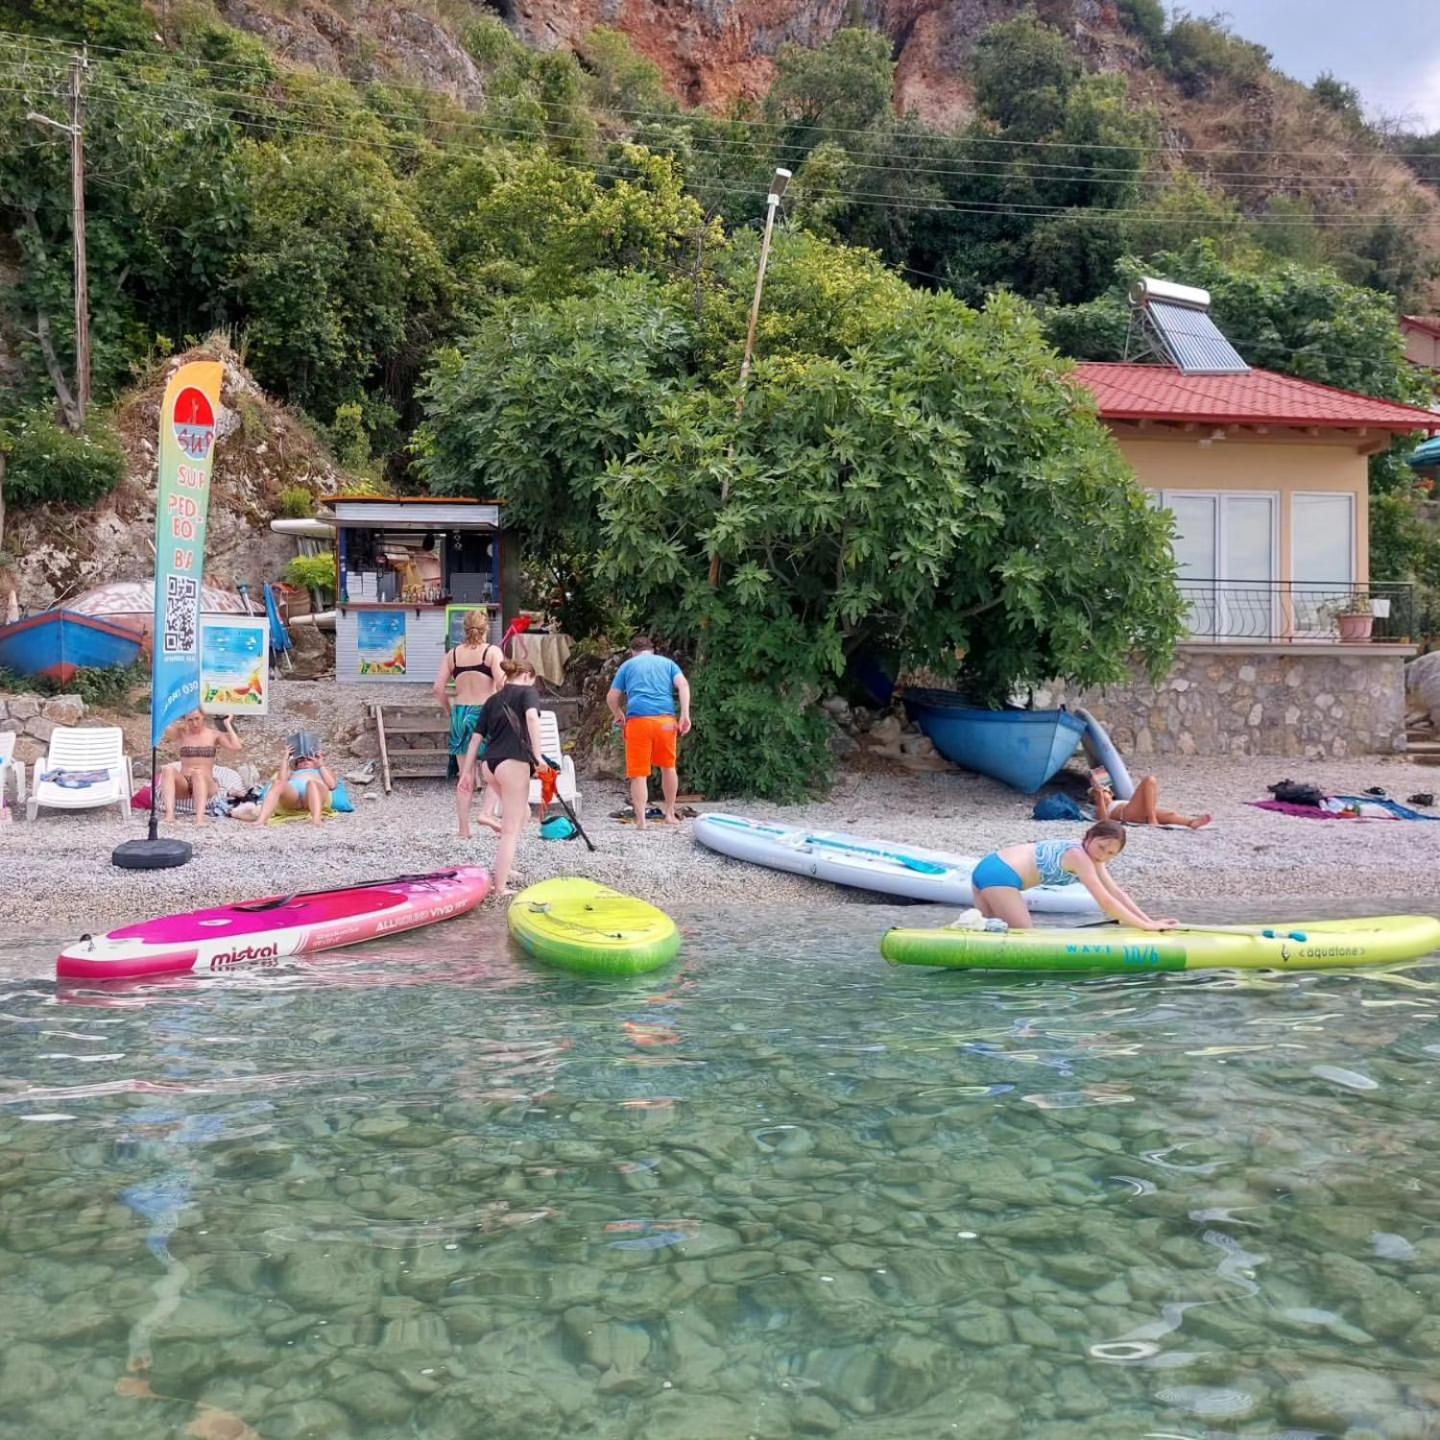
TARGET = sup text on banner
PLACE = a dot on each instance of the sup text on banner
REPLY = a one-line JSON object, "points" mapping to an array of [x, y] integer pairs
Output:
{"points": [[187, 453]]}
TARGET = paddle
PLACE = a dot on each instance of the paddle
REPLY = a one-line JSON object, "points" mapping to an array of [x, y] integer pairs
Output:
{"points": [[281, 900]]}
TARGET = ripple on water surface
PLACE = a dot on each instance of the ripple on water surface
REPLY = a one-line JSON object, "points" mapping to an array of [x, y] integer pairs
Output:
{"points": [[781, 1190]]}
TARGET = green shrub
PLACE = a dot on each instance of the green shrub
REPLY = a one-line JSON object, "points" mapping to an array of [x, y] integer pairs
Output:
{"points": [[311, 572], [295, 503], [1204, 53], [104, 689], [763, 738], [1145, 18], [349, 437], [49, 465]]}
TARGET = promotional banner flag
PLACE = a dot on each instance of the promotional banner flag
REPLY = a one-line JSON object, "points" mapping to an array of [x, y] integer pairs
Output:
{"points": [[187, 451]]}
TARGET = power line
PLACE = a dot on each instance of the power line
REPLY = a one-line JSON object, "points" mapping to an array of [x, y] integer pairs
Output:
{"points": [[272, 71], [280, 127], [882, 161]]}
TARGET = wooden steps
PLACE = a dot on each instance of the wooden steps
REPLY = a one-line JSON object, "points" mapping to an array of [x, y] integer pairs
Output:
{"points": [[1422, 746], [412, 741]]}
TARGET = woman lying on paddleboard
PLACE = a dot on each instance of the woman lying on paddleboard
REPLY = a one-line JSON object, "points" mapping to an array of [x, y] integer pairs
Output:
{"points": [[999, 878]]}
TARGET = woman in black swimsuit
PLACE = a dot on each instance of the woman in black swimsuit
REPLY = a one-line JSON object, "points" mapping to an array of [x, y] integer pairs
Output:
{"points": [[194, 777], [510, 728], [474, 665]]}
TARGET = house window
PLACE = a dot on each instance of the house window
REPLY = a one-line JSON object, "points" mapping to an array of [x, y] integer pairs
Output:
{"points": [[1225, 552], [1322, 558]]}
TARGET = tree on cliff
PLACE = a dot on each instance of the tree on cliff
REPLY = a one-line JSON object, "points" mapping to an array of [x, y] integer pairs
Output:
{"points": [[908, 475]]}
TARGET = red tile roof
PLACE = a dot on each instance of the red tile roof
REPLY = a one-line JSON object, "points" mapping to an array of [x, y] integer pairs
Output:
{"points": [[1160, 392], [1430, 324]]}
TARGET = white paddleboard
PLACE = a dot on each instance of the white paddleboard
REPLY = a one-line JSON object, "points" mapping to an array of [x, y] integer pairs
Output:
{"points": [[884, 866]]}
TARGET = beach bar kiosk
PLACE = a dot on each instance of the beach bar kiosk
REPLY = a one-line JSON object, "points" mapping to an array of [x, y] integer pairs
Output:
{"points": [[409, 570]]}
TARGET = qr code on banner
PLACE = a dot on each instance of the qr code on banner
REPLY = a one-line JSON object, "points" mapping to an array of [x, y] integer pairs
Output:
{"points": [[181, 609]]}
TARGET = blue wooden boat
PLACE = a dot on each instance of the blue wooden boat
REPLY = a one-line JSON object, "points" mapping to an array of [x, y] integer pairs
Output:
{"points": [[1024, 748], [56, 643]]}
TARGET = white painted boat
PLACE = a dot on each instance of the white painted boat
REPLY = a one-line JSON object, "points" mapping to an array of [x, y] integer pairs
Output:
{"points": [[884, 866], [304, 529]]}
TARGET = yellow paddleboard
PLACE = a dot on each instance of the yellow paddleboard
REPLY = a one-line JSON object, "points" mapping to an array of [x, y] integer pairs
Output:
{"points": [[591, 928], [1303, 945]]}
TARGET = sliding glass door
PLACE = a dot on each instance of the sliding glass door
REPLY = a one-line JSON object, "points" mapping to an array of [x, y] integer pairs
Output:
{"points": [[1225, 553], [1322, 559]]}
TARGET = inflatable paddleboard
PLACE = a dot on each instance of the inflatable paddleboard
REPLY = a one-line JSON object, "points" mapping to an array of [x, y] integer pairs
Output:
{"points": [[884, 866], [258, 934], [590, 928], [1304, 945]]}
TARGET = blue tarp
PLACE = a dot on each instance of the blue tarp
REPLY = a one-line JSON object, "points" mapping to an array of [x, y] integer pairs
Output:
{"points": [[1427, 457]]}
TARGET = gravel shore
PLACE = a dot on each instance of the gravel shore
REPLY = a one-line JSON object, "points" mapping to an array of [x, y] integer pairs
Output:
{"points": [[59, 880]]}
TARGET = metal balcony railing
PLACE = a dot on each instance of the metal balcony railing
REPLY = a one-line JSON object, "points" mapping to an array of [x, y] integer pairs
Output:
{"points": [[1282, 612]]}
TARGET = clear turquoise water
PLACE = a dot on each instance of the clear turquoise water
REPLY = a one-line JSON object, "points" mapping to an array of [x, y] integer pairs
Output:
{"points": [[428, 1190]]}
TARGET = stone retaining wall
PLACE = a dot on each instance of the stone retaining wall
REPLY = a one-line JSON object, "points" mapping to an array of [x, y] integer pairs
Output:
{"points": [[34, 717], [1258, 700]]}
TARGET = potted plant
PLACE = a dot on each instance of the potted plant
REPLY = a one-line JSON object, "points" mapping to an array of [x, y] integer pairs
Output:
{"points": [[1354, 616]]}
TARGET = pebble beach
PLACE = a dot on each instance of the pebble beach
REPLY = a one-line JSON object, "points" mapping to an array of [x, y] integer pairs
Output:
{"points": [[60, 882]]}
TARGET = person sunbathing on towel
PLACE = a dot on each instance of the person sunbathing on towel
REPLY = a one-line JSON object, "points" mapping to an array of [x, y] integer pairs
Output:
{"points": [[303, 782], [1141, 808], [193, 776]]}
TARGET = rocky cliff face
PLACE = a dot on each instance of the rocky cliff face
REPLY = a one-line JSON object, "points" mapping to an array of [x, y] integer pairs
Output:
{"points": [[717, 50], [710, 51], [369, 40], [261, 449]]}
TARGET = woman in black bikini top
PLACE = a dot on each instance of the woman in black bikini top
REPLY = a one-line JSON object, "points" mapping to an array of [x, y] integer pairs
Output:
{"points": [[474, 666]]}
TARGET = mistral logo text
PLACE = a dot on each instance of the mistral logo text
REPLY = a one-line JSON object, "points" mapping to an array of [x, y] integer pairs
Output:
{"points": [[245, 955]]}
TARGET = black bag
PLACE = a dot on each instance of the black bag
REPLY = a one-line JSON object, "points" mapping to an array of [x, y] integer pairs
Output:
{"points": [[1288, 792]]}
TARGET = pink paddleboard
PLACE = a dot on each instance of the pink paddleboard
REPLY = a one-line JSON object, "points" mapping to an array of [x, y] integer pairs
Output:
{"points": [[260, 933]]}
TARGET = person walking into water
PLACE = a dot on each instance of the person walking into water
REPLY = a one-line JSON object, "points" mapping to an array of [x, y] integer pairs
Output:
{"points": [[642, 698]]}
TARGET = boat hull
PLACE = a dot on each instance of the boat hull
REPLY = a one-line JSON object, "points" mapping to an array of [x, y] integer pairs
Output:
{"points": [[886, 867], [239, 937], [1022, 748], [1303, 945], [56, 643]]}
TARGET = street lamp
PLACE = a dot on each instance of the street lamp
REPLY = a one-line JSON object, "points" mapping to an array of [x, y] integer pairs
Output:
{"points": [[778, 182], [772, 203]]}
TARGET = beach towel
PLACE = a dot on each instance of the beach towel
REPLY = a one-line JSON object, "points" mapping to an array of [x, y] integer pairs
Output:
{"points": [[75, 779], [1344, 807]]}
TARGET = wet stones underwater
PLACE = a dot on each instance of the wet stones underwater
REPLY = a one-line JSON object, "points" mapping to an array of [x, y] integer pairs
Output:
{"points": [[783, 1191]]}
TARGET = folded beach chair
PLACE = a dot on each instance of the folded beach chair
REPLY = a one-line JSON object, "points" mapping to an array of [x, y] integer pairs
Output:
{"points": [[9, 766], [86, 767], [550, 745]]}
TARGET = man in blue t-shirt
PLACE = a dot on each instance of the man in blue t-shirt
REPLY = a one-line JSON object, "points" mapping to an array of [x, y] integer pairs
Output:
{"points": [[642, 699]]}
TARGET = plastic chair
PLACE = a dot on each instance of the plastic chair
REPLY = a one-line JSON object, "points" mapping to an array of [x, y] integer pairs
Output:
{"points": [[9, 765], [84, 748], [550, 745]]}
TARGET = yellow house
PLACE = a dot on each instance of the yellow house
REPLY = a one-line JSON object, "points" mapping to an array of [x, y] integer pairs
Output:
{"points": [[1267, 479], [1294, 648]]}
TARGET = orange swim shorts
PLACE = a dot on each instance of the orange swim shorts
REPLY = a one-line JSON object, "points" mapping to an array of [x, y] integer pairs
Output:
{"points": [[650, 740]]}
